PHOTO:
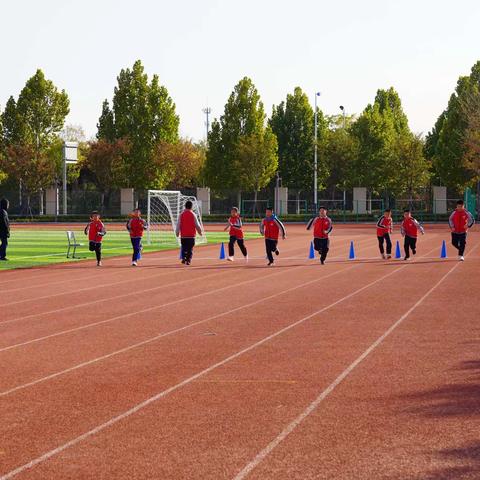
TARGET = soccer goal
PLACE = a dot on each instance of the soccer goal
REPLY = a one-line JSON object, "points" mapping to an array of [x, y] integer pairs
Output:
{"points": [[163, 210]]}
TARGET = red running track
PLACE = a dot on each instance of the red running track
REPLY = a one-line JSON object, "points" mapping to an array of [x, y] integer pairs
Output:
{"points": [[358, 369]]}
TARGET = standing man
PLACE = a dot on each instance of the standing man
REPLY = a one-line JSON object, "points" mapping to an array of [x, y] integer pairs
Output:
{"points": [[322, 227], [460, 221], [187, 228], [4, 229]]}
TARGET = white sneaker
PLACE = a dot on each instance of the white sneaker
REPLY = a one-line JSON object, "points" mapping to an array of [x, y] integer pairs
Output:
{"points": [[230, 259], [461, 258], [246, 258], [99, 264], [134, 264]]}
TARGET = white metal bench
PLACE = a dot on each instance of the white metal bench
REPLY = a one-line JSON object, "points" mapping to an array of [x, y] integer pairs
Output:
{"points": [[72, 243]]}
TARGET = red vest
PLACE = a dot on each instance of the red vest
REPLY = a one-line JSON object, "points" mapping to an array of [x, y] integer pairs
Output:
{"points": [[410, 227], [322, 225], [459, 221], [136, 227], [236, 227], [271, 228], [94, 229], [384, 225], [187, 224]]}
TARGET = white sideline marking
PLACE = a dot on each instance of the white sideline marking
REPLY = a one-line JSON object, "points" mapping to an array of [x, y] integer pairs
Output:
{"points": [[187, 381], [166, 334], [324, 394], [72, 307]]}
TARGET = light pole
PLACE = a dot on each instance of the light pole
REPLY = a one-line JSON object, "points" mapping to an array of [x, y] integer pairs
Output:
{"points": [[342, 108], [69, 156], [315, 179]]}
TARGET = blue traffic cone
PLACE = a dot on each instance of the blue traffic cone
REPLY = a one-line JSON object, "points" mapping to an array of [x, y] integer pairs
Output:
{"points": [[443, 252], [311, 254], [397, 251], [222, 252], [351, 255]]}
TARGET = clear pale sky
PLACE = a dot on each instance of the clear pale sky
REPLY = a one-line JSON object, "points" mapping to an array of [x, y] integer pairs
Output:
{"points": [[200, 49]]}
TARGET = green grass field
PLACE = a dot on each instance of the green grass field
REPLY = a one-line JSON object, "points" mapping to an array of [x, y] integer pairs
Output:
{"points": [[29, 248]]}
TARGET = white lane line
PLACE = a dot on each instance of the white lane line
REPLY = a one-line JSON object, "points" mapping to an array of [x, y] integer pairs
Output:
{"points": [[96, 288], [168, 333], [73, 307], [260, 457], [145, 403]]}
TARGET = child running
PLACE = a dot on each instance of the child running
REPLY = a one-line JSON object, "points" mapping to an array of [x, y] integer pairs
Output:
{"points": [[270, 229], [95, 231], [322, 227], [460, 221], [136, 225], [187, 228], [236, 235], [384, 229], [409, 230]]}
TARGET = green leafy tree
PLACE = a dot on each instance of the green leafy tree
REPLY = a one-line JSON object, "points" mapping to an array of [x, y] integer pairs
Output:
{"points": [[377, 130], [244, 116], [412, 168], [143, 114], [31, 128], [292, 122], [256, 161], [339, 151], [447, 143]]}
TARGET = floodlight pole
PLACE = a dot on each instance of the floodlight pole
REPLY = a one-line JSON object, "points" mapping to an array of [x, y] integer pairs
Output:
{"points": [[315, 160]]}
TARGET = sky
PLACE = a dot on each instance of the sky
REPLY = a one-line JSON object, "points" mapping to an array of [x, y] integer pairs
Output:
{"points": [[200, 49]]}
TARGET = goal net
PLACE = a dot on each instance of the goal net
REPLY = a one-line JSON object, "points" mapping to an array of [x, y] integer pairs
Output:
{"points": [[163, 210]]}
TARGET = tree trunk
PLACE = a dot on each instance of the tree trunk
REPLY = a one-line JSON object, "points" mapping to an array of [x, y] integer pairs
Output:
{"points": [[297, 210], [255, 209]]}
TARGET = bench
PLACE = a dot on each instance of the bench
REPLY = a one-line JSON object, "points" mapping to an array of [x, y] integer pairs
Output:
{"points": [[72, 243]]}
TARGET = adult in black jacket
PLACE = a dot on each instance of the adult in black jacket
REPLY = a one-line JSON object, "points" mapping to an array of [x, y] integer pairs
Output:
{"points": [[4, 228]]}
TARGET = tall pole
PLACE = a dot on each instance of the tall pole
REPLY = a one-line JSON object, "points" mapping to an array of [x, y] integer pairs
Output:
{"points": [[315, 179], [207, 111], [342, 108]]}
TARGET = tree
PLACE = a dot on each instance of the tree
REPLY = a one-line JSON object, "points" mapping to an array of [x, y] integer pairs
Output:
{"points": [[412, 168], [179, 164], [244, 116], [339, 151], [42, 110], [377, 130], [447, 143], [256, 161], [144, 115], [106, 161], [31, 128], [292, 122]]}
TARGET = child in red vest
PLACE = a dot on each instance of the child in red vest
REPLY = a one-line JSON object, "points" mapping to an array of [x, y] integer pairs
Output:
{"points": [[460, 221], [322, 227], [409, 230], [95, 231], [136, 225], [270, 228], [384, 229], [236, 234], [187, 228]]}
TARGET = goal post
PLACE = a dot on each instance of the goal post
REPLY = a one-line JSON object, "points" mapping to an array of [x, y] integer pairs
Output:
{"points": [[163, 209]]}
